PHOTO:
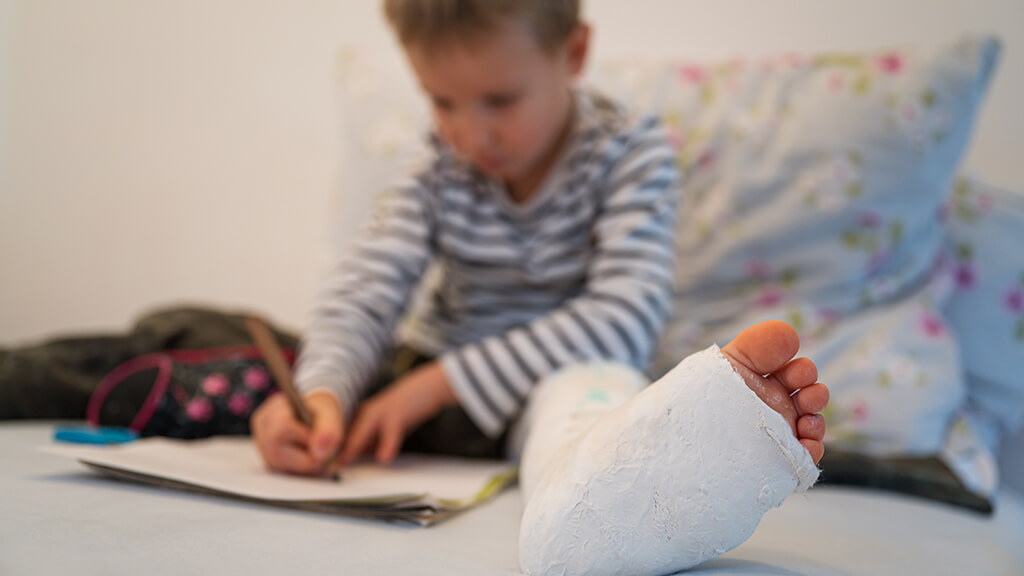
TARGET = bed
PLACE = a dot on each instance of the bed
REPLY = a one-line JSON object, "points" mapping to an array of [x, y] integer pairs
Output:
{"points": [[59, 518]]}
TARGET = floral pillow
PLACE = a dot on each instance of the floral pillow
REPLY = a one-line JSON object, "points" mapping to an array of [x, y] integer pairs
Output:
{"points": [[987, 309], [384, 122], [813, 192]]}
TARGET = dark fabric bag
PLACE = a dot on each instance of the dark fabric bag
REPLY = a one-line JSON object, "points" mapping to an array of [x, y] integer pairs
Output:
{"points": [[186, 372], [184, 393], [58, 378]]}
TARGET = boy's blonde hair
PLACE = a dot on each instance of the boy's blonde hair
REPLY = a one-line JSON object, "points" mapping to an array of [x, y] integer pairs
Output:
{"points": [[428, 22]]}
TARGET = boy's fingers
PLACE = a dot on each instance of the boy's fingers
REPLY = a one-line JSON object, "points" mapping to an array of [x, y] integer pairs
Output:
{"points": [[327, 426], [364, 430], [279, 437], [293, 460], [288, 430], [264, 413], [391, 436], [270, 416], [281, 431]]}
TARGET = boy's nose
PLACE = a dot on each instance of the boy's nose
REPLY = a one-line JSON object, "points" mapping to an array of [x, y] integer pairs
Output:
{"points": [[474, 134]]}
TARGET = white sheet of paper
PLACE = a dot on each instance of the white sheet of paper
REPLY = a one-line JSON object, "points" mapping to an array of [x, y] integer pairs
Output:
{"points": [[232, 465]]}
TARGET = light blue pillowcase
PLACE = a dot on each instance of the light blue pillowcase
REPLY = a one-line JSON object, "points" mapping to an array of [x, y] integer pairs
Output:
{"points": [[813, 190], [986, 261]]}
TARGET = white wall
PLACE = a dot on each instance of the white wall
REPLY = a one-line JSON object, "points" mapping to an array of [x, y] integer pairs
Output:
{"points": [[6, 58], [187, 149]]}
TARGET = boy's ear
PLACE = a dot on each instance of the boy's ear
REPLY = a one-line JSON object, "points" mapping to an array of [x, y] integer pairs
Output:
{"points": [[577, 47]]}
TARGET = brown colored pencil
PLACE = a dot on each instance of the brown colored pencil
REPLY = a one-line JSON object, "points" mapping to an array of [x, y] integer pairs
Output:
{"points": [[278, 366]]}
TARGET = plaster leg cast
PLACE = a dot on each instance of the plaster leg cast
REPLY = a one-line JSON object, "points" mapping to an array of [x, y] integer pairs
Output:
{"points": [[680, 473]]}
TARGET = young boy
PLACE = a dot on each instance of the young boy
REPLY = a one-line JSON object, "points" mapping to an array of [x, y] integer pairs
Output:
{"points": [[551, 215]]}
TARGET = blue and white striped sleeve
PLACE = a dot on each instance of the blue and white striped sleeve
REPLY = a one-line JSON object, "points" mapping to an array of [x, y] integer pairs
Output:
{"points": [[621, 312], [360, 301]]}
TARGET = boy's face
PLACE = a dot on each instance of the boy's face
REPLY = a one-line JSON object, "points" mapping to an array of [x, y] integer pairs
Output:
{"points": [[500, 100]]}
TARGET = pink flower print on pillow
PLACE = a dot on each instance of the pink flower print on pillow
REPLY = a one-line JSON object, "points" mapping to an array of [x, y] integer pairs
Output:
{"points": [[1013, 300], [836, 82], [870, 219], [693, 74], [964, 275], [860, 411], [793, 59], [891, 63], [706, 159], [920, 120], [931, 324], [759, 269], [216, 384], [256, 378], [765, 286], [769, 297], [985, 203], [902, 371]]}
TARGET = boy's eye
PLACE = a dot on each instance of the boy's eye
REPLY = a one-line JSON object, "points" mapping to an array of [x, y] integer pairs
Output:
{"points": [[442, 104], [501, 100]]}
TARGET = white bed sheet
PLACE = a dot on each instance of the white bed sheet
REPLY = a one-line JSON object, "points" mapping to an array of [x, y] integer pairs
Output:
{"points": [[58, 518]]}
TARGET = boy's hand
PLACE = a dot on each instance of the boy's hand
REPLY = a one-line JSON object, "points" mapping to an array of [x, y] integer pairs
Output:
{"points": [[288, 446], [387, 417]]}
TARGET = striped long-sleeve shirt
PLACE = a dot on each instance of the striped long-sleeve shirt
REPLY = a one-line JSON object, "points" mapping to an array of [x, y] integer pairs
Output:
{"points": [[581, 271]]}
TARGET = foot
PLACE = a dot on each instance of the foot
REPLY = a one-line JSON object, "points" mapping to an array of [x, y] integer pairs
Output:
{"points": [[763, 357], [684, 470]]}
